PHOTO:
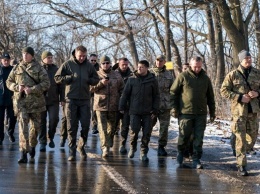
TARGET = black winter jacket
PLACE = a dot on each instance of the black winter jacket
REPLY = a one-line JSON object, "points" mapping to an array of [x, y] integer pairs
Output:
{"points": [[5, 94], [55, 93], [141, 94]]}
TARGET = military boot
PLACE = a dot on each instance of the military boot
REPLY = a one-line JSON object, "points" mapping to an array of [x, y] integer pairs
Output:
{"points": [[242, 171], [51, 144], [131, 153], [23, 158], [161, 151], [251, 152], [105, 152], [72, 154], [180, 158], [82, 152], [62, 142], [197, 164], [32, 154], [42, 147], [122, 149], [143, 157]]}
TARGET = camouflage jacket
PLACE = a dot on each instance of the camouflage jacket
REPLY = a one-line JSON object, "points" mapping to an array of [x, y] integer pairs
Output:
{"points": [[234, 86], [191, 94], [165, 80], [106, 98], [33, 102]]}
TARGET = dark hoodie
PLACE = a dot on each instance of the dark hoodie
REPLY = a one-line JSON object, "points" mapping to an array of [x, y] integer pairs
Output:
{"points": [[55, 93], [77, 77]]}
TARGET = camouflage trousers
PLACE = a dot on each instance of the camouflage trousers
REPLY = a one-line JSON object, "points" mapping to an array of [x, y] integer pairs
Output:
{"points": [[245, 129], [106, 127], [191, 125], [164, 119], [28, 137]]}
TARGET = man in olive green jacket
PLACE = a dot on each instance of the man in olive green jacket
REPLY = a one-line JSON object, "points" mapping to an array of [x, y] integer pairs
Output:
{"points": [[77, 74], [28, 80], [242, 87], [191, 93]]}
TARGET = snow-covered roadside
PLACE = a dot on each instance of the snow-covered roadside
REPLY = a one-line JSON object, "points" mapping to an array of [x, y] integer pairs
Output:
{"points": [[218, 159]]}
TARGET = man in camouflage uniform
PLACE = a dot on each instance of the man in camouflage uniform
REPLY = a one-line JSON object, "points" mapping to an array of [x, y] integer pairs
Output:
{"points": [[165, 80], [242, 87], [106, 97], [53, 97], [123, 119], [191, 93], [28, 80], [77, 74]]}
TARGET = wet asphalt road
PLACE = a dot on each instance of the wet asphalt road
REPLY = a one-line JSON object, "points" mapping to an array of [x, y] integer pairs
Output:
{"points": [[52, 173]]}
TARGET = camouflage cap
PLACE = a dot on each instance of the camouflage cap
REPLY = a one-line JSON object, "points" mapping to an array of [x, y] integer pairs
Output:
{"points": [[160, 57], [104, 58], [46, 54]]}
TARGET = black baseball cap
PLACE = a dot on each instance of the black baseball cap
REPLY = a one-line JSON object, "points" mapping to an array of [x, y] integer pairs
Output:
{"points": [[6, 56]]}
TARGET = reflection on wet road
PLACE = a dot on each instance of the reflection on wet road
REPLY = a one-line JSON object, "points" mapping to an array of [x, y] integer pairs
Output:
{"points": [[52, 173]]}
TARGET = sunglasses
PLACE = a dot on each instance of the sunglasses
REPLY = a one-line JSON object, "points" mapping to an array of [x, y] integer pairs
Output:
{"points": [[94, 60], [107, 63]]}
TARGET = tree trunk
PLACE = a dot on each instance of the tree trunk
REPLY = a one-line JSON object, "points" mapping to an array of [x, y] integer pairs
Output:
{"points": [[257, 31], [167, 31], [129, 36], [220, 74], [211, 38], [185, 32]]}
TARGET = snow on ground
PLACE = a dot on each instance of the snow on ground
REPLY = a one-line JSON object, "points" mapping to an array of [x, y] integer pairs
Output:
{"points": [[218, 159]]}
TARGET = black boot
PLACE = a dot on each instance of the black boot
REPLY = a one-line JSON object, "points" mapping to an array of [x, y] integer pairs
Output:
{"points": [[72, 154], [23, 158], [82, 152], [32, 154], [242, 171], [161, 151]]}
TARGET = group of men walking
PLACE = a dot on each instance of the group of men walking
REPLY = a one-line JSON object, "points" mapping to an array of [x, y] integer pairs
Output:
{"points": [[135, 100]]}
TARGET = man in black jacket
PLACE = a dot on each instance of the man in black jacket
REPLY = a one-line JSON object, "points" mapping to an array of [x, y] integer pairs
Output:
{"points": [[123, 119], [141, 93], [53, 97], [6, 103]]}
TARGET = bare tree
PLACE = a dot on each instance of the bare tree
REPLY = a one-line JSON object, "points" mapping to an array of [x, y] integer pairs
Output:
{"points": [[232, 20]]}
